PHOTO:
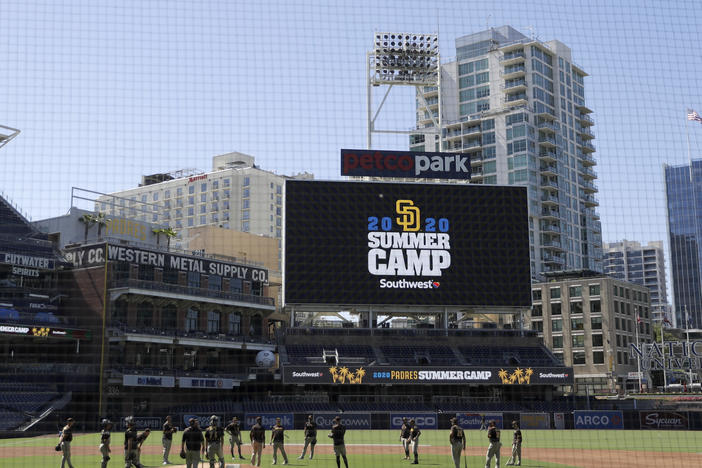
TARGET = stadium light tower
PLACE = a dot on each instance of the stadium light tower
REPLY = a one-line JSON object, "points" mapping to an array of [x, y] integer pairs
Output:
{"points": [[7, 134], [403, 59]]}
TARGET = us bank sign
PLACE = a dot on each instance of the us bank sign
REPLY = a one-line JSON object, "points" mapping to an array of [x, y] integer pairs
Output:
{"points": [[672, 355]]}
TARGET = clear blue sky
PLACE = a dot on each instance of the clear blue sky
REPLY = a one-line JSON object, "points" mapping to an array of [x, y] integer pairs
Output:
{"points": [[107, 91]]}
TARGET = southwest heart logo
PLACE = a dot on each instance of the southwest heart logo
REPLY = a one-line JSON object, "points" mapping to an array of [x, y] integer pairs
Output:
{"points": [[436, 284]]}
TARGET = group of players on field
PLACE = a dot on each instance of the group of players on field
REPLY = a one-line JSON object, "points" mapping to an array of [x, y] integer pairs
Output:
{"points": [[211, 443]]}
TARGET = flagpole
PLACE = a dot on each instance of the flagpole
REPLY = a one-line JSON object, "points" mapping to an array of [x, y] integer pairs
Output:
{"points": [[665, 384], [638, 358], [687, 332]]}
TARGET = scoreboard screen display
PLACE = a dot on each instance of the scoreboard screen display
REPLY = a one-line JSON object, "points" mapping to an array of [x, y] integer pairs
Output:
{"points": [[406, 244]]}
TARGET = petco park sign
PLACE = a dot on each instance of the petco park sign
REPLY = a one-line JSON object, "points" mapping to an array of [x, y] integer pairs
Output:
{"points": [[405, 164]]}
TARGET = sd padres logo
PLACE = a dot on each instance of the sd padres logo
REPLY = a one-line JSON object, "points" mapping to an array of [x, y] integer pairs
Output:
{"points": [[408, 245]]}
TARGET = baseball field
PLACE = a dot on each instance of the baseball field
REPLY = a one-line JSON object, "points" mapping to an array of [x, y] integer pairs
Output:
{"points": [[380, 448]]}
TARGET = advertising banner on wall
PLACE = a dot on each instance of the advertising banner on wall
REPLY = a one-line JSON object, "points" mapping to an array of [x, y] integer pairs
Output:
{"points": [[663, 420], [559, 420], [535, 421], [148, 381], [210, 384], [143, 423], [418, 244], [598, 420], [350, 420], [475, 420], [204, 420], [405, 164], [27, 261], [268, 420], [95, 255], [422, 420], [45, 332], [514, 376]]}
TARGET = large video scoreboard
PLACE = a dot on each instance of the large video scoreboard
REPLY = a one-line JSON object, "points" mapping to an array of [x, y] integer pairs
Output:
{"points": [[406, 244]]}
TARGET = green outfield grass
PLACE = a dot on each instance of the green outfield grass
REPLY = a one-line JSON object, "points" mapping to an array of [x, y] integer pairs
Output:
{"points": [[386, 443]]}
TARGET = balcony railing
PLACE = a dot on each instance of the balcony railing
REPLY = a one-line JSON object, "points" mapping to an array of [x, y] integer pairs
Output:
{"points": [[191, 291]]}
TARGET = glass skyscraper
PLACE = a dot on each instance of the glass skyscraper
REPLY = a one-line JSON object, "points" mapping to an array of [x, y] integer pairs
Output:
{"points": [[684, 202], [516, 105]]}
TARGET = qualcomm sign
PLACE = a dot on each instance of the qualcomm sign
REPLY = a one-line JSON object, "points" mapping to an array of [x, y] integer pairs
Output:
{"points": [[350, 420]]}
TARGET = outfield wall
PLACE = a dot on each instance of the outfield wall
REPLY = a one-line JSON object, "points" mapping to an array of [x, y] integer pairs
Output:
{"points": [[596, 419]]}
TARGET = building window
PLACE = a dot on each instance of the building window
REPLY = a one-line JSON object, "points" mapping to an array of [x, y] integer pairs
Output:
{"points": [[203, 219], [576, 307], [191, 200], [191, 222], [597, 340], [536, 311], [555, 293], [193, 279], [556, 325], [537, 325], [576, 324], [556, 308], [234, 323], [170, 276], [576, 291], [235, 285], [119, 312], [214, 283], [596, 323], [595, 307], [191, 189], [245, 214], [169, 317], [557, 342], [246, 193], [578, 358], [145, 314], [578, 341], [203, 209], [191, 319], [203, 187], [245, 226], [203, 198], [598, 357], [245, 204], [247, 181], [213, 319], [536, 294], [146, 272]]}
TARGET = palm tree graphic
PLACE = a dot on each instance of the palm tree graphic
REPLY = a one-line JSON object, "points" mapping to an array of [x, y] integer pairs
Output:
{"points": [[343, 372], [502, 374], [360, 373], [332, 371]]}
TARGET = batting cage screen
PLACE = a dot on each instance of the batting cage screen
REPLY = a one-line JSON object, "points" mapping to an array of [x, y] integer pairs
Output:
{"points": [[353, 234]]}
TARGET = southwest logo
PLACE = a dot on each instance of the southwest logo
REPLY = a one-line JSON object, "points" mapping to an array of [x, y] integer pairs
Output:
{"points": [[435, 284]]}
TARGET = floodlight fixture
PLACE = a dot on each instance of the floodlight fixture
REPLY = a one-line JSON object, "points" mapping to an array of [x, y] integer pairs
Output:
{"points": [[406, 58]]}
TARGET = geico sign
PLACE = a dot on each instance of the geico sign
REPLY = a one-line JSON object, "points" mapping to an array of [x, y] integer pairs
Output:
{"points": [[418, 420]]}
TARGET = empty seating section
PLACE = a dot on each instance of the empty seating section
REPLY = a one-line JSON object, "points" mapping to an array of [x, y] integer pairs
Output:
{"points": [[533, 356], [20, 400], [299, 353], [413, 355]]}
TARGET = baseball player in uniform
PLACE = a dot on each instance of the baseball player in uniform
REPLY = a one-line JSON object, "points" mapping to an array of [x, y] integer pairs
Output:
{"points": [[493, 436], [258, 441], [337, 435], [214, 436], [278, 442], [130, 444], [457, 439], [405, 437], [192, 443], [65, 443], [310, 437], [234, 430], [415, 432], [105, 442], [167, 439], [140, 441], [516, 458]]}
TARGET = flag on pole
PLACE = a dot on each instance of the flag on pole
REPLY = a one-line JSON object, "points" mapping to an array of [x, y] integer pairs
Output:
{"points": [[666, 321], [692, 115], [638, 318]]}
